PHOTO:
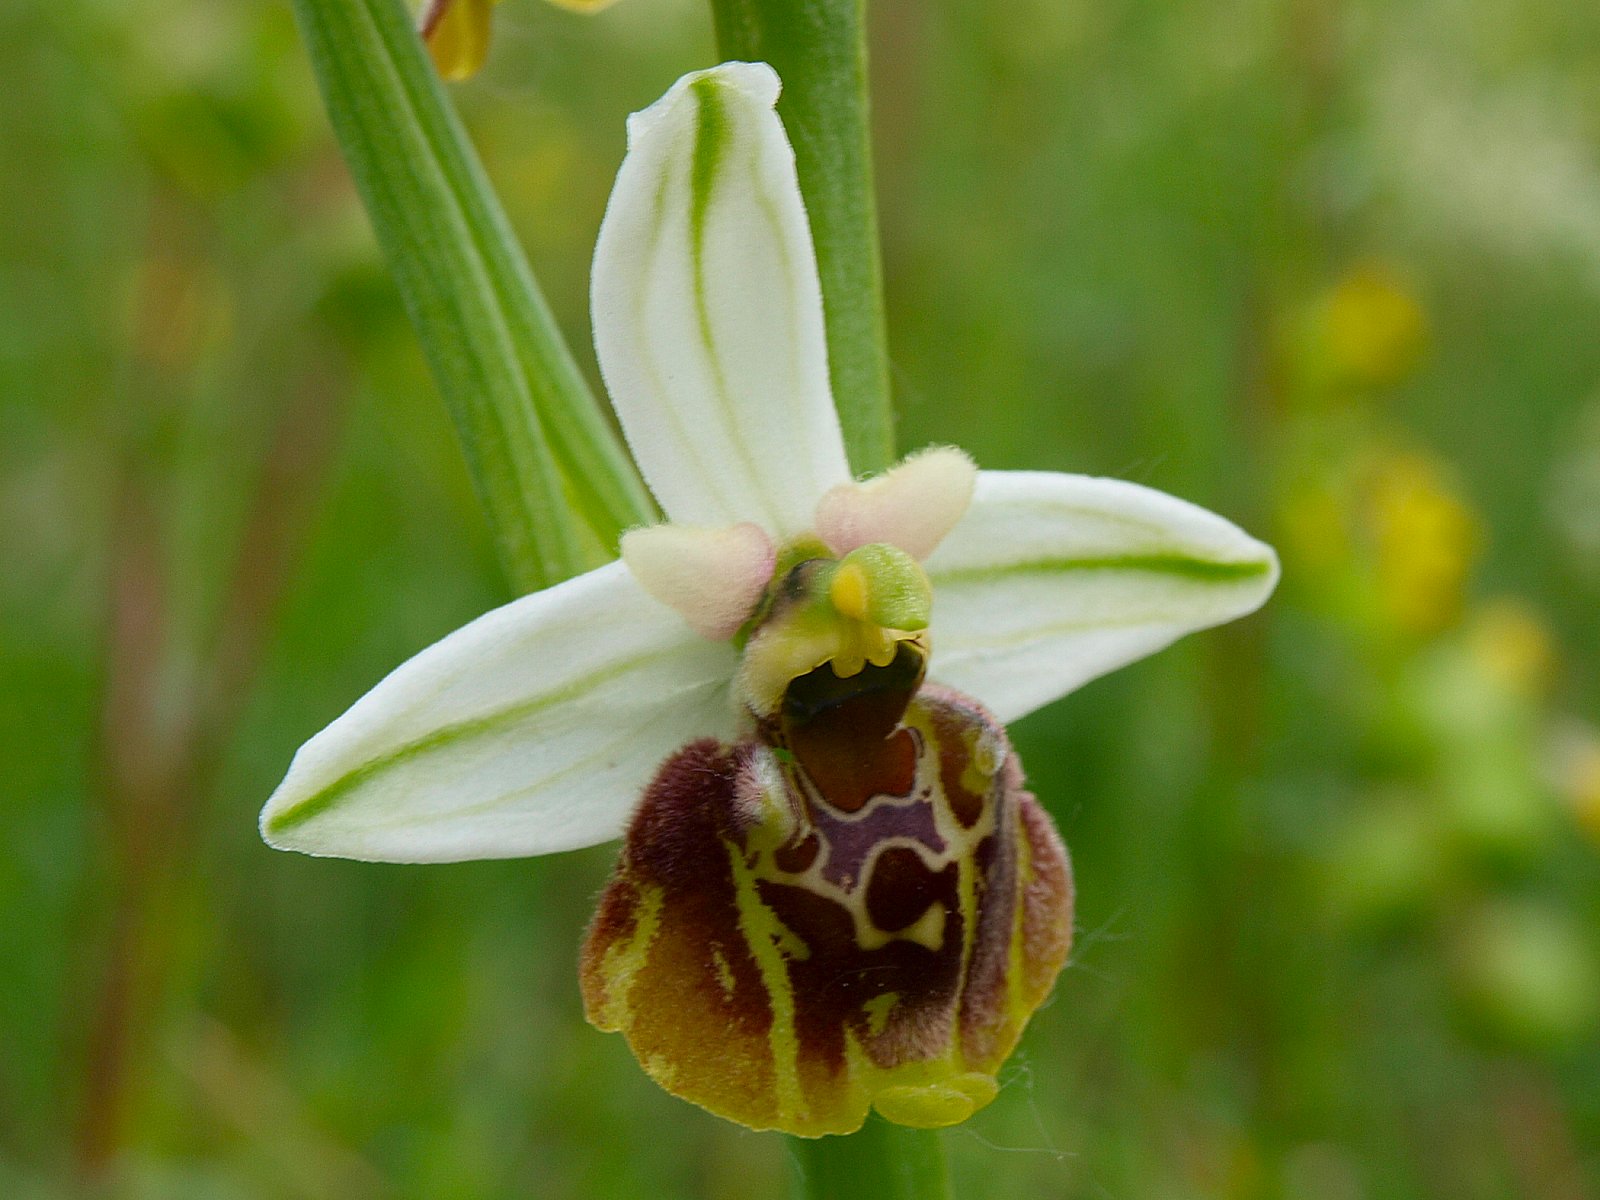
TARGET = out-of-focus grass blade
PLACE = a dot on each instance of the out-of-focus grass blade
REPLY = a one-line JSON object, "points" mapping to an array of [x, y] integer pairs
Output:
{"points": [[536, 439]]}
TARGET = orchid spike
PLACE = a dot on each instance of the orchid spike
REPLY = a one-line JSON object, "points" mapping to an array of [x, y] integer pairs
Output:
{"points": [[835, 893]]}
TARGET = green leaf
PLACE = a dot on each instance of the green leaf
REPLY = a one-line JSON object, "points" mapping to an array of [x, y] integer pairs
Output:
{"points": [[536, 439]]}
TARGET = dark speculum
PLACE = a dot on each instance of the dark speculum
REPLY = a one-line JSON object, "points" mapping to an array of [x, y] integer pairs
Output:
{"points": [[846, 733], [856, 906]]}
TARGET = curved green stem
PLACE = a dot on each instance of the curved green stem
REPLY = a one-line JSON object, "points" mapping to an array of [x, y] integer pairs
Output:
{"points": [[536, 440], [819, 49]]}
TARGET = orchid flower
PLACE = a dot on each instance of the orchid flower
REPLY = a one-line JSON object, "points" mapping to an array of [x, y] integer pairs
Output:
{"points": [[834, 893], [457, 32]]}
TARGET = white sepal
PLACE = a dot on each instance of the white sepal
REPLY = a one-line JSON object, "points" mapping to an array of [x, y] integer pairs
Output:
{"points": [[533, 729], [1052, 580], [708, 314]]}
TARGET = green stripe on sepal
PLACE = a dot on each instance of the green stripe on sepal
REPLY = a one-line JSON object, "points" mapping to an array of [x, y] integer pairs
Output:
{"points": [[1181, 566], [323, 800], [527, 731]]}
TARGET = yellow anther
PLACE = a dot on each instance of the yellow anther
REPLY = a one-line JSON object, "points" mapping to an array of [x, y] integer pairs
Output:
{"points": [[849, 591], [845, 615]]}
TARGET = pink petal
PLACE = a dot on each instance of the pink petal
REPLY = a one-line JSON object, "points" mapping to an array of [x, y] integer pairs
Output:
{"points": [[912, 506], [712, 577]]}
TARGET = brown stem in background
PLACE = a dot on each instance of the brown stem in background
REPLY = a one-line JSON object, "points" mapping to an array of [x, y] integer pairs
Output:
{"points": [[135, 773], [1540, 1142], [156, 770], [291, 480]]}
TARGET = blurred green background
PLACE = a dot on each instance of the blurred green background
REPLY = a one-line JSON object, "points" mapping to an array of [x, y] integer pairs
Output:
{"points": [[1329, 267]]}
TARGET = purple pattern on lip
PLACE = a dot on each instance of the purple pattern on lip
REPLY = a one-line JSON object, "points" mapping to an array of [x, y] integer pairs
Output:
{"points": [[850, 843]]}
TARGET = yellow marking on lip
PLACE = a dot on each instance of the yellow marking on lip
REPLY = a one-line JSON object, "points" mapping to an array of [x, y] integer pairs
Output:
{"points": [[624, 960], [878, 1010], [983, 761], [929, 928], [771, 944], [1022, 998], [725, 980], [935, 1105], [926, 931]]}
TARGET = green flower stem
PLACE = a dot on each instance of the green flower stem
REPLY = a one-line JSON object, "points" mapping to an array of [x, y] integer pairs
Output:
{"points": [[881, 1162], [819, 49], [536, 440]]}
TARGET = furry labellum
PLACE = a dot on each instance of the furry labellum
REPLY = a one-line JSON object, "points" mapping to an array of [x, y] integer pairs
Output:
{"points": [[855, 906]]}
